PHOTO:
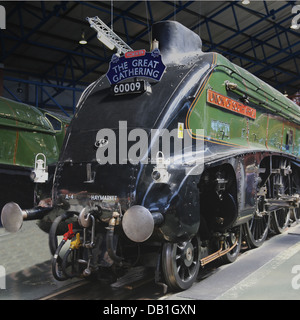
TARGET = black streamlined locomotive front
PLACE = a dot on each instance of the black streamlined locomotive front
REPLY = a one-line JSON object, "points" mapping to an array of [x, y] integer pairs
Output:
{"points": [[96, 171]]}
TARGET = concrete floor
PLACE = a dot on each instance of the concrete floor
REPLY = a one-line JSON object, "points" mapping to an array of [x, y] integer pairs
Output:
{"points": [[25, 256], [264, 273], [271, 272]]}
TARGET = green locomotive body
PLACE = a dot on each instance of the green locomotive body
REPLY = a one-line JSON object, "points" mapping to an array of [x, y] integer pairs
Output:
{"points": [[254, 130], [25, 132], [221, 109]]}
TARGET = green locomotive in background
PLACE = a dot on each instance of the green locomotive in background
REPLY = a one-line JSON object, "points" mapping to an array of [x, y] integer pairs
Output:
{"points": [[26, 132]]}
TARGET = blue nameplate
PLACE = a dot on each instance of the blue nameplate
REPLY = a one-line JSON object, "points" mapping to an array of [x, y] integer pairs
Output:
{"points": [[136, 64]]}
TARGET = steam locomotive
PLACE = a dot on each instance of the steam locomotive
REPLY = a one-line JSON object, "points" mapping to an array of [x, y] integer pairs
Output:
{"points": [[172, 169], [28, 136]]}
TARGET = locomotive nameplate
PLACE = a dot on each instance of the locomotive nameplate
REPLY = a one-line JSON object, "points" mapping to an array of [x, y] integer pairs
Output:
{"points": [[219, 100], [138, 86], [135, 64], [100, 197]]}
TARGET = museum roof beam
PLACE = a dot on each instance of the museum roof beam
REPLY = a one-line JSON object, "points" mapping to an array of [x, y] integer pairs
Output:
{"points": [[256, 36]]}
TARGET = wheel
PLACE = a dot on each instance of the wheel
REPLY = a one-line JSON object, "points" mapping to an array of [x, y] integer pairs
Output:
{"points": [[280, 220], [295, 214], [282, 185], [180, 263], [234, 235], [256, 230]]}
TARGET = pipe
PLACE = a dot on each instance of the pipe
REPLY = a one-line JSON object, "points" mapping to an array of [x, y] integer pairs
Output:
{"points": [[57, 269], [217, 254], [56, 265], [53, 230], [110, 241]]}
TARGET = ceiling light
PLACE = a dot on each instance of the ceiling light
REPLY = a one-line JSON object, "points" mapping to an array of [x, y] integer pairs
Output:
{"points": [[246, 2], [105, 41], [294, 26], [82, 40]]}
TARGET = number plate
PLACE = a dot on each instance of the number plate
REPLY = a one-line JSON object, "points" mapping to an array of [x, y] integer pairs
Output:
{"points": [[129, 87]]}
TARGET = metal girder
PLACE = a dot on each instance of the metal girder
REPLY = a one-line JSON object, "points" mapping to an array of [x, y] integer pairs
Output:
{"points": [[254, 40], [43, 20], [78, 62], [42, 88]]}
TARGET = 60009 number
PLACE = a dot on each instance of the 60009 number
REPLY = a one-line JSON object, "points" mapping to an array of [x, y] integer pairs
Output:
{"points": [[128, 87]]}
